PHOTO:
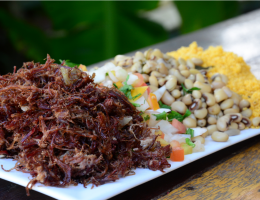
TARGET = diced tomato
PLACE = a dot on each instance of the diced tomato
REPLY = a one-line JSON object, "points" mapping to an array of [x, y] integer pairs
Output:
{"points": [[162, 136], [152, 101], [178, 125], [175, 143], [177, 154], [140, 81]]}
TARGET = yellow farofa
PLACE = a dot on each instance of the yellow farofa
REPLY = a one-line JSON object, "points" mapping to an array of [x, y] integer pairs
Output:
{"points": [[240, 78]]}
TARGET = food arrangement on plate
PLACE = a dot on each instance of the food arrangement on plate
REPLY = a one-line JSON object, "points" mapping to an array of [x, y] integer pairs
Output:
{"points": [[66, 125]]}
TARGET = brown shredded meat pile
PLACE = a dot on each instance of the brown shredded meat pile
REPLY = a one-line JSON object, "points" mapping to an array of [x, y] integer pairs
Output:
{"points": [[64, 129]]}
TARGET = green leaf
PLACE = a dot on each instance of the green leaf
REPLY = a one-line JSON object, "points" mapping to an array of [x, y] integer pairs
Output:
{"points": [[84, 31], [115, 85], [136, 104], [147, 117], [189, 142], [198, 14], [185, 90], [161, 116], [190, 131], [68, 63], [187, 114], [163, 105], [107, 74], [175, 115]]}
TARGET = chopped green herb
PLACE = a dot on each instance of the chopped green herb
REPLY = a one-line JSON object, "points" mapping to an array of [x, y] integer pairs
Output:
{"points": [[187, 114], [190, 132], [189, 142], [107, 74], [126, 89], [68, 63], [115, 85], [147, 117], [161, 116], [175, 115], [163, 105], [188, 91], [141, 112], [136, 104]]}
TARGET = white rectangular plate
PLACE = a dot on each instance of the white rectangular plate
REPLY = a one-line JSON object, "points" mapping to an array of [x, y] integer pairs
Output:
{"points": [[111, 189]]}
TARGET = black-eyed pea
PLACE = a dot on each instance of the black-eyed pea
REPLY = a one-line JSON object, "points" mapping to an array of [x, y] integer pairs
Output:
{"points": [[196, 104], [203, 86], [211, 129], [233, 125], [230, 111], [182, 61], [256, 121], [241, 126], [200, 78], [179, 107], [167, 98], [220, 136], [196, 94], [188, 84], [163, 69], [228, 103], [193, 117], [201, 122], [192, 77], [187, 100], [137, 67], [185, 73], [171, 84], [228, 92], [157, 74], [190, 64], [197, 61], [232, 132], [153, 81], [247, 113], [246, 121], [201, 113], [162, 81], [146, 78], [176, 93], [156, 53], [244, 104], [198, 138], [212, 120], [217, 85], [182, 67], [204, 105], [190, 122], [209, 98], [214, 110], [220, 95]]}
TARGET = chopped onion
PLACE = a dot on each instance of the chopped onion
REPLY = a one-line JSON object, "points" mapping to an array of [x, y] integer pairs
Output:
{"points": [[198, 147], [125, 120], [152, 121], [166, 128], [132, 79], [160, 110], [143, 104], [121, 74], [199, 131], [25, 108], [112, 76], [179, 137], [159, 93]]}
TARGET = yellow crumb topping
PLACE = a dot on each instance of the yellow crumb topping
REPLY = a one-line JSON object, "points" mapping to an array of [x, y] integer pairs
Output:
{"points": [[240, 78]]}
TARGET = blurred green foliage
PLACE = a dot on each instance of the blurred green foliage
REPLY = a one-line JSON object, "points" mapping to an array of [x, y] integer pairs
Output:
{"points": [[92, 31], [198, 14], [85, 32]]}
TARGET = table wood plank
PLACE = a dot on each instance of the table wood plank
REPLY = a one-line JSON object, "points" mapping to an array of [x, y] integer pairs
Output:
{"points": [[237, 178]]}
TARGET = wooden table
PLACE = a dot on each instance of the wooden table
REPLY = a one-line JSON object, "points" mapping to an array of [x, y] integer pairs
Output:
{"points": [[232, 173]]}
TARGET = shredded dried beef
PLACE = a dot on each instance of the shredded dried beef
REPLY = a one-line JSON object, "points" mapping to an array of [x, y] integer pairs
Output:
{"points": [[64, 129]]}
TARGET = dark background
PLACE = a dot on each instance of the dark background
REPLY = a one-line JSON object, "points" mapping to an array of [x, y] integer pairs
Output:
{"points": [[92, 31]]}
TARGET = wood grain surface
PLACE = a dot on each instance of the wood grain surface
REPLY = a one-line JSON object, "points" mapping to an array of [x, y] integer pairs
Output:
{"points": [[237, 178]]}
